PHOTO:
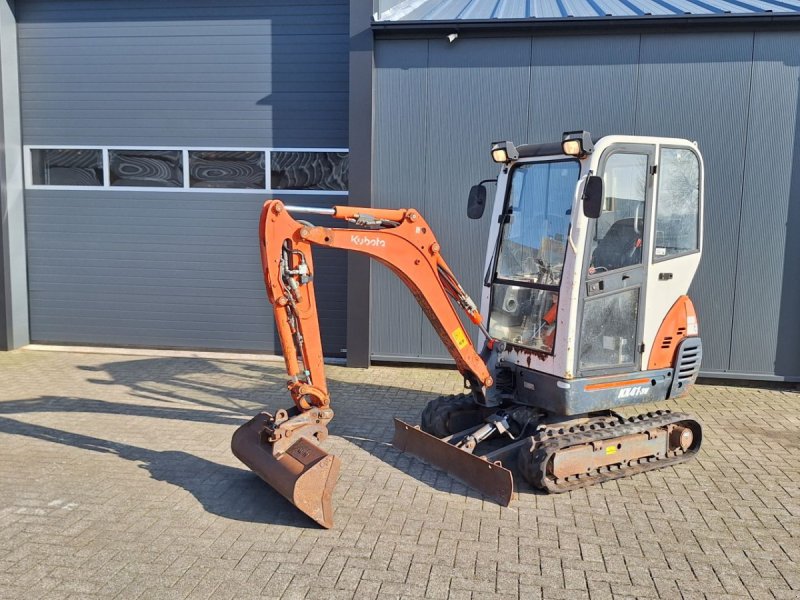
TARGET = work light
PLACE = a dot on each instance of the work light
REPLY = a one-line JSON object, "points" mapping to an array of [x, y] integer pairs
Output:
{"points": [[577, 143], [503, 152]]}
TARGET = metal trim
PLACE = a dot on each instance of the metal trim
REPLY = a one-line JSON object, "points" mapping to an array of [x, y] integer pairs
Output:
{"points": [[580, 25], [14, 325], [4, 289], [361, 113]]}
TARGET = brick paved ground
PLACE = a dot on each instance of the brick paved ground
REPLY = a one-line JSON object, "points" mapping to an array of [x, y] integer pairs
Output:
{"points": [[116, 480]]}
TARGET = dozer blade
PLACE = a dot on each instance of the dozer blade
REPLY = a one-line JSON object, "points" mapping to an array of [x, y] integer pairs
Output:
{"points": [[304, 474], [490, 479]]}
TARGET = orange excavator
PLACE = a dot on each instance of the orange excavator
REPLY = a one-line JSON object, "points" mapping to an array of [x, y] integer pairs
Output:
{"points": [[593, 245]]}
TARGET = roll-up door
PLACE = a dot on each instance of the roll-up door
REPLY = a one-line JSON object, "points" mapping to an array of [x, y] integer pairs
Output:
{"points": [[153, 132]]}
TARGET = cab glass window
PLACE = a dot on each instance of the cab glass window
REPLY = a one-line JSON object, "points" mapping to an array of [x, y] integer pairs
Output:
{"points": [[537, 221], [608, 331], [618, 235], [524, 316], [678, 203]]}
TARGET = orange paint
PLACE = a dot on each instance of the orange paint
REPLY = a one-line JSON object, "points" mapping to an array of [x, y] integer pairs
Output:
{"points": [[673, 329], [615, 384]]}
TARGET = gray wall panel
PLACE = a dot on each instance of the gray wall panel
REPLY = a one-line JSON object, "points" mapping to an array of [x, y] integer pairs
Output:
{"points": [[766, 328], [589, 85], [697, 86], [401, 99], [198, 72], [690, 85], [432, 137], [161, 269], [459, 132]]}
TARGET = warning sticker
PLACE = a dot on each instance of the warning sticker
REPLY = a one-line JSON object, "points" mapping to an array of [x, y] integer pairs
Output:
{"points": [[460, 338], [611, 449]]}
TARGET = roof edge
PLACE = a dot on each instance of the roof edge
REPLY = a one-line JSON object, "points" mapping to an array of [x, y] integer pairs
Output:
{"points": [[580, 25]]}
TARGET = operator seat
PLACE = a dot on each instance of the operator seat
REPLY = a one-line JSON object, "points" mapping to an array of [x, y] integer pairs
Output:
{"points": [[620, 247]]}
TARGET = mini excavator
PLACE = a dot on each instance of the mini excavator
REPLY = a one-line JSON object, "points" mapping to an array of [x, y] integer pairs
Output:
{"points": [[592, 247]]}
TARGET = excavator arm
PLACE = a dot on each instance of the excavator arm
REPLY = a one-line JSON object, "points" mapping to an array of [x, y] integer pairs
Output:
{"points": [[401, 240], [283, 449]]}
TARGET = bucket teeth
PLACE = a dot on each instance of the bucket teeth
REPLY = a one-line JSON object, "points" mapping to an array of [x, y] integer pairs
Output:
{"points": [[490, 479], [304, 473]]}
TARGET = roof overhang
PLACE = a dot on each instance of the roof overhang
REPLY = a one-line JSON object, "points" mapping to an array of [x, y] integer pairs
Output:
{"points": [[583, 25]]}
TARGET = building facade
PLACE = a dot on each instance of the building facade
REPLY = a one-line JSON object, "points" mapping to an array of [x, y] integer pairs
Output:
{"points": [[146, 137]]}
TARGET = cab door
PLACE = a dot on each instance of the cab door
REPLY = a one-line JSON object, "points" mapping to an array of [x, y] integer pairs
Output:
{"points": [[615, 264]]}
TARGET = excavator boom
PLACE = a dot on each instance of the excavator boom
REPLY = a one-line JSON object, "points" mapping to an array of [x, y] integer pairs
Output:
{"points": [[283, 449]]}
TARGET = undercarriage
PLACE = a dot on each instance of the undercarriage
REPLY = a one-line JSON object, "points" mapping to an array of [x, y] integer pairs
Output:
{"points": [[553, 454]]}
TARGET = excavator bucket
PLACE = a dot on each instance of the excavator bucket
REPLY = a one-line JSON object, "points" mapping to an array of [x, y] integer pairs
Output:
{"points": [[490, 479], [304, 473]]}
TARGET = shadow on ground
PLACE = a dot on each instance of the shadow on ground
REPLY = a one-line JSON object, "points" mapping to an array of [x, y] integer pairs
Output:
{"points": [[249, 388], [222, 490]]}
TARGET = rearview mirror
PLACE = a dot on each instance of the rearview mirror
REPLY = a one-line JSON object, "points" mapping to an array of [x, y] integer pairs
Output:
{"points": [[593, 196], [476, 202]]}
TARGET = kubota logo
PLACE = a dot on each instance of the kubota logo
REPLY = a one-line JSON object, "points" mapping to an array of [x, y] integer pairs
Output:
{"points": [[361, 240], [633, 392]]}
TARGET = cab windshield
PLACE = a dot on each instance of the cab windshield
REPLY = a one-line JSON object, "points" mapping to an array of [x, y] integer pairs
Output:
{"points": [[531, 254], [537, 218]]}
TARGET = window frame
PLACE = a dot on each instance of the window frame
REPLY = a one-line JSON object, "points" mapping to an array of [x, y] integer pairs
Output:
{"points": [[105, 151], [187, 175], [28, 167], [659, 172]]}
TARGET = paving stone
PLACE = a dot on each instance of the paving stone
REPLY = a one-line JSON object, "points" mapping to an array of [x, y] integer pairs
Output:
{"points": [[117, 481]]}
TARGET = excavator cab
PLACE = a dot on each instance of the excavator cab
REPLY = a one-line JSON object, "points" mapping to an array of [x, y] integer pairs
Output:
{"points": [[592, 247], [574, 299]]}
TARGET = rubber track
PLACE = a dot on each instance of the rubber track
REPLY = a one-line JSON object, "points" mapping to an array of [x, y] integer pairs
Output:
{"points": [[549, 442], [437, 412]]}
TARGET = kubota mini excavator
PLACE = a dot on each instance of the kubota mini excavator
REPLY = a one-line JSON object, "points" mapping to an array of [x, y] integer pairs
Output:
{"points": [[592, 247]]}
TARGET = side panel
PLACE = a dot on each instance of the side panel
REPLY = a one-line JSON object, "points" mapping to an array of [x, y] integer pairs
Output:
{"points": [[670, 278], [588, 394]]}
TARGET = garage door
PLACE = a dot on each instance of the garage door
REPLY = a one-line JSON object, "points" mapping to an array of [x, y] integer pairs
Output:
{"points": [[153, 133]]}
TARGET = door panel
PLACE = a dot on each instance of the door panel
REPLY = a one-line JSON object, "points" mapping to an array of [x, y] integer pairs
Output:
{"points": [[615, 275]]}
